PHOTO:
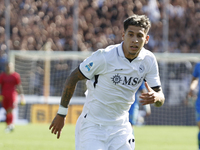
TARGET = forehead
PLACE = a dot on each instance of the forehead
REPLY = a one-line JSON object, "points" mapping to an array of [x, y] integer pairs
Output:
{"points": [[135, 29]]}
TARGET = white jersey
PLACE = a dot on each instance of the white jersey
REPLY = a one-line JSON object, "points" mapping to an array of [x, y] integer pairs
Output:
{"points": [[113, 80]]}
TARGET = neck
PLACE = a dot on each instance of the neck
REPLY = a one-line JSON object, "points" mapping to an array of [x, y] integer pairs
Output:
{"points": [[8, 72]]}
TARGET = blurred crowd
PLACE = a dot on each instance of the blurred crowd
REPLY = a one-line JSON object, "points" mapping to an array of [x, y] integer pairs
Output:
{"points": [[100, 23]]}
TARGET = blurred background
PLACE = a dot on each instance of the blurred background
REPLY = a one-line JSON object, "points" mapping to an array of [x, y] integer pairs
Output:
{"points": [[46, 40]]}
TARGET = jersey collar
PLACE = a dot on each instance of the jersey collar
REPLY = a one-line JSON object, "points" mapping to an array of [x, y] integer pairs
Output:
{"points": [[120, 50]]}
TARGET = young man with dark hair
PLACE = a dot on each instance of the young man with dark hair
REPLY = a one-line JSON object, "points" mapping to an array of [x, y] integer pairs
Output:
{"points": [[113, 75]]}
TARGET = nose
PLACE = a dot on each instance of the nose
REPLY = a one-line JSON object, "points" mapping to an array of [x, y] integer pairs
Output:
{"points": [[134, 39]]}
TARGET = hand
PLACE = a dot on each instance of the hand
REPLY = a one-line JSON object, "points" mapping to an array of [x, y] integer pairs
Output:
{"points": [[150, 96], [57, 125], [190, 99], [191, 93], [22, 100]]}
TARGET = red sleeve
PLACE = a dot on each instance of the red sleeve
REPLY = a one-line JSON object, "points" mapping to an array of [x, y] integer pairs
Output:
{"points": [[18, 80]]}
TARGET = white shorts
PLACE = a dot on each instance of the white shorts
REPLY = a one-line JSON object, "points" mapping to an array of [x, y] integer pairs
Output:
{"points": [[91, 136]]}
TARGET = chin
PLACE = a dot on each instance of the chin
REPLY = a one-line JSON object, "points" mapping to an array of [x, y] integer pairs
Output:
{"points": [[133, 53]]}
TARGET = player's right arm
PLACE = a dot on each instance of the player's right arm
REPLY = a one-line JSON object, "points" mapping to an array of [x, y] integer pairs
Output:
{"points": [[69, 87]]}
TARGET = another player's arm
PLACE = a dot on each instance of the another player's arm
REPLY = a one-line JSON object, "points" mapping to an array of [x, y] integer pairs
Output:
{"points": [[193, 85], [20, 89], [21, 92], [153, 96]]}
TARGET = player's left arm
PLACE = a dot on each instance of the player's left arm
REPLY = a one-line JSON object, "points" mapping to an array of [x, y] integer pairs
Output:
{"points": [[21, 92], [153, 96]]}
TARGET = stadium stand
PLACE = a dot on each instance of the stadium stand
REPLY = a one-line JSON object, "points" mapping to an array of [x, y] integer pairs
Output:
{"points": [[34, 22]]}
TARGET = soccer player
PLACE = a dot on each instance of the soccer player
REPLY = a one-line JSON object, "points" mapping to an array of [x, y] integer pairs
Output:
{"points": [[134, 110], [195, 81], [9, 84], [113, 75]]}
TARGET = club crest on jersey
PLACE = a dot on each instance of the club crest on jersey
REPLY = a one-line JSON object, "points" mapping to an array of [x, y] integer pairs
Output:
{"points": [[116, 79], [141, 68], [89, 66]]}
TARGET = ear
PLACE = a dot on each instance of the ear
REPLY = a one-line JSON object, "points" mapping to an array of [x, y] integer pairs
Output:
{"points": [[123, 35], [147, 39]]}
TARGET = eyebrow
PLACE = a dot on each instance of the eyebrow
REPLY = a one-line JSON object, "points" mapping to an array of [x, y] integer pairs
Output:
{"points": [[131, 31], [140, 32]]}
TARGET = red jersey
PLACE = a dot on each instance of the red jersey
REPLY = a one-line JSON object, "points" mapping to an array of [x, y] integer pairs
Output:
{"points": [[8, 83]]}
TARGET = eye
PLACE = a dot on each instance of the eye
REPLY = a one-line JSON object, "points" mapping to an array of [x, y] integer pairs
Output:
{"points": [[140, 35], [130, 34]]}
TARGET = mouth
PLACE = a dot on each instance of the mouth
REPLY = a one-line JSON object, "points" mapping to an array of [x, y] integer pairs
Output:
{"points": [[134, 47]]}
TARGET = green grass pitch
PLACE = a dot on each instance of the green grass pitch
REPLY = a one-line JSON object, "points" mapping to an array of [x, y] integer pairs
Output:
{"points": [[39, 137]]}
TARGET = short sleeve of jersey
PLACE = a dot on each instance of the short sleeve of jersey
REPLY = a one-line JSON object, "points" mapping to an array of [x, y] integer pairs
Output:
{"points": [[152, 76], [17, 76], [196, 72], [93, 65]]}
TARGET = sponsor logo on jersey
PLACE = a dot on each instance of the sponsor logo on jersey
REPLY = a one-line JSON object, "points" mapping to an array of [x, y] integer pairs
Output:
{"points": [[89, 66], [117, 79]]}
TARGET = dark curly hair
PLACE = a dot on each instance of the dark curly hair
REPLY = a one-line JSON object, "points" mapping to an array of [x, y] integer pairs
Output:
{"points": [[139, 21]]}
